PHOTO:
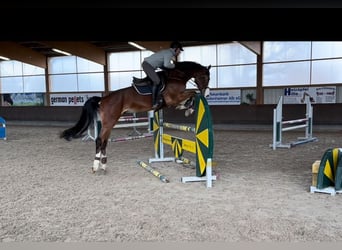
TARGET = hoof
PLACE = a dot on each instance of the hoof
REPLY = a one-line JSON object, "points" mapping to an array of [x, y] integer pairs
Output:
{"points": [[189, 112], [95, 166]]}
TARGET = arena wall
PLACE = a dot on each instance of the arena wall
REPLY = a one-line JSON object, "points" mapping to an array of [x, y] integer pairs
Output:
{"points": [[323, 114]]}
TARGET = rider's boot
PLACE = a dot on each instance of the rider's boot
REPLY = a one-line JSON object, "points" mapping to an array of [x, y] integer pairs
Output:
{"points": [[154, 96]]}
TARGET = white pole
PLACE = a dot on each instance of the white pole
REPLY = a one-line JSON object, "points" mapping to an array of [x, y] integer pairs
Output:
{"points": [[209, 175]]}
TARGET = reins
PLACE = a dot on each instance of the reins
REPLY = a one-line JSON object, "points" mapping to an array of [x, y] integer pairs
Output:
{"points": [[179, 75]]}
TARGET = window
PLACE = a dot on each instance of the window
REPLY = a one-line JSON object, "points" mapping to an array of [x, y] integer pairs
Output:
{"points": [[18, 77], [122, 66], [236, 66], [75, 74], [291, 73], [286, 51], [302, 63]]}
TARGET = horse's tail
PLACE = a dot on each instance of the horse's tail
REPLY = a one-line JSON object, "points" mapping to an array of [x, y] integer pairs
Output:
{"points": [[89, 110]]}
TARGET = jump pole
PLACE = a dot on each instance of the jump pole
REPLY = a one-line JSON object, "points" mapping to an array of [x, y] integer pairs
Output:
{"points": [[278, 124], [127, 121], [202, 147], [153, 171]]}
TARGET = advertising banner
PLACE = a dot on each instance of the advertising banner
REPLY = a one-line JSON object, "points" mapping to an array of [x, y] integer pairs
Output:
{"points": [[224, 97], [326, 94], [71, 99], [24, 99]]}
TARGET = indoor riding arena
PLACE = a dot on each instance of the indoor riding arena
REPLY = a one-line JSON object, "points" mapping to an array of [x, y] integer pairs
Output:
{"points": [[258, 192], [49, 193]]}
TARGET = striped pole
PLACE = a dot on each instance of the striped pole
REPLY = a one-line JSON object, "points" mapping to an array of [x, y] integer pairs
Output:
{"points": [[125, 121], [130, 138], [186, 162], [178, 127], [153, 171], [132, 119]]}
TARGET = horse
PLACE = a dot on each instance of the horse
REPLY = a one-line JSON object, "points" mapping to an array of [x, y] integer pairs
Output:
{"points": [[135, 98]]}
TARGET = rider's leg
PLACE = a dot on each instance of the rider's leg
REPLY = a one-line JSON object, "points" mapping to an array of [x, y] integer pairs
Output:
{"points": [[154, 95], [153, 75]]}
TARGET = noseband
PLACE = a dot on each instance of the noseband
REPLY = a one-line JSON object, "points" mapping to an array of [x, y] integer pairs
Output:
{"points": [[202, 76]]}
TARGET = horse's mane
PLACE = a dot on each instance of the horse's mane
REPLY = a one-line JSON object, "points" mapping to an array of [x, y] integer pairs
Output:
{"points": [[187, 65]]}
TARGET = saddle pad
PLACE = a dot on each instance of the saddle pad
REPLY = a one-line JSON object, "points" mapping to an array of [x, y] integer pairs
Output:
{"points": [[143, 90]]}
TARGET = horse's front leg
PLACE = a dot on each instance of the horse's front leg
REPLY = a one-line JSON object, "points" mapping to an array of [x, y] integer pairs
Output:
{"points": [[97, 159], [185, 99], [187, 102]]}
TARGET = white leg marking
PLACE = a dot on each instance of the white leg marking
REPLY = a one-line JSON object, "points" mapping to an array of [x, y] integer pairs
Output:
{"points": [[189, 112], [96, 162], [103, 162]]}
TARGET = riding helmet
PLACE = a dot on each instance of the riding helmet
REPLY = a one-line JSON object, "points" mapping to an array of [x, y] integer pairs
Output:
{"points": [[176, 45]]}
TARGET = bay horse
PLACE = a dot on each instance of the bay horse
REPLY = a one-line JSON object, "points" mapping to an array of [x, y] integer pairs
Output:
{"points": [[109, 108]]}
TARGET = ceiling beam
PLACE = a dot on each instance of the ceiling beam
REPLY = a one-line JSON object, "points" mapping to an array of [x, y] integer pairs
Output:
{"points": [[81, 49], [21, 53], [253, 46], [154, 45]]}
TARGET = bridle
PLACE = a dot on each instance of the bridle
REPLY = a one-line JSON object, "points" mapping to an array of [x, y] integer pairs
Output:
{"points": [[205, 91]]}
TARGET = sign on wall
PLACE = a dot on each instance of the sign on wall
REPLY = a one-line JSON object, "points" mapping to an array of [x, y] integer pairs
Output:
{"points": [[326, 94], [71, 99], [24, 99], [224, 97]]}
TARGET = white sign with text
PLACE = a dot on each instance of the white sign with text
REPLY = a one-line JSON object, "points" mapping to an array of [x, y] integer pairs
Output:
{"points": [[71, 99], [224, 97]]}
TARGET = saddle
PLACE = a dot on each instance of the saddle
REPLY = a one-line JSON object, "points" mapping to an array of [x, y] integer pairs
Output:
{"points": [[143, 86]]}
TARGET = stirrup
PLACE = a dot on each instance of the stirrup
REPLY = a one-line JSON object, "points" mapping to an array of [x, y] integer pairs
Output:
{"points": [[155, 105], [158, 104]]}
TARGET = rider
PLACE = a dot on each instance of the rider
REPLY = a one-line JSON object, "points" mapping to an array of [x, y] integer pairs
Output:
{"points": [[161, 59]]}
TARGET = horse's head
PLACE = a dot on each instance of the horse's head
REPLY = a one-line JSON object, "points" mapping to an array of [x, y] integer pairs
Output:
{"points": [[202, 78], [199, 73]]}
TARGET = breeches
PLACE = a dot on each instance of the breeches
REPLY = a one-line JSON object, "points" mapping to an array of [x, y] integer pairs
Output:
{"points": [[150, 72]]}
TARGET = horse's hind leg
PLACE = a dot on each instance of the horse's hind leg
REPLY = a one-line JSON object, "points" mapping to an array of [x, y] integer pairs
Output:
{"points": [[97, 159], [100, 155], [104, 155], [101, 145]]}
